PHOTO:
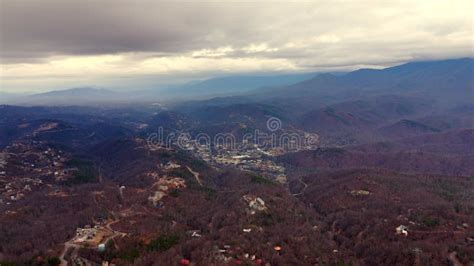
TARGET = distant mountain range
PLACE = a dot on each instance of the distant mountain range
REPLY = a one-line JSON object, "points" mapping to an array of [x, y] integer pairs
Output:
{"points": [[446, 81], [223, 86], [202, 89], [76, 96], [75, 92]]}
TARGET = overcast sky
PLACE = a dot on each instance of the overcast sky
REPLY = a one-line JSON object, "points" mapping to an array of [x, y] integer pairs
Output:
{"points": [[51, 44]]}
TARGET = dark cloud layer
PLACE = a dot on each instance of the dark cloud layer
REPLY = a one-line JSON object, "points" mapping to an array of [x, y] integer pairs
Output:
{"points": [[42, 28], [35, 29]]}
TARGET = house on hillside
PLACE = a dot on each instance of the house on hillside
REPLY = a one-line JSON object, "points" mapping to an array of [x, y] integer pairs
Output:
{"points": [[402, 230]]}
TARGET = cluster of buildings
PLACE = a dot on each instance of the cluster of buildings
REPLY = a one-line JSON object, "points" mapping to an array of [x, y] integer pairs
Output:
{"points": [[245, 157], [93, 236], [165, 184], [255, 204], [86, 234], [27, 165], [249, 156]]}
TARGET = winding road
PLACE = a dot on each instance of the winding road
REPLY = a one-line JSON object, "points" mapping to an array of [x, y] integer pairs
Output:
{"points": [[305, 186]]}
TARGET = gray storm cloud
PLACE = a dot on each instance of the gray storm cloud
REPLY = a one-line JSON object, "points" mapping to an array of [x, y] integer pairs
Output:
{"points": [[35, 29]]}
